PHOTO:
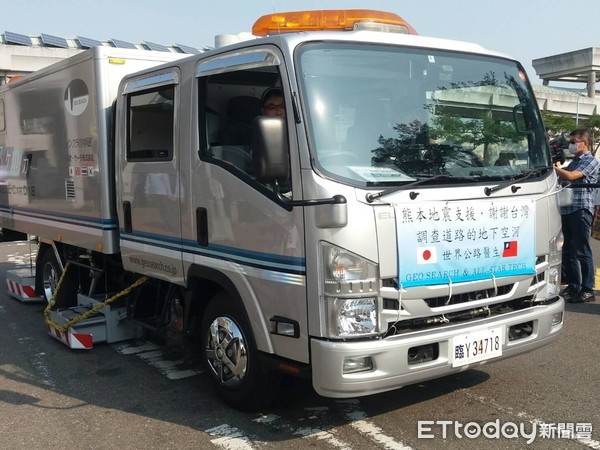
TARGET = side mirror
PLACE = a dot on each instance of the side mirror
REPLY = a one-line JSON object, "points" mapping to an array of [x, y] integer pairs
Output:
{"points": [[270, 154]]}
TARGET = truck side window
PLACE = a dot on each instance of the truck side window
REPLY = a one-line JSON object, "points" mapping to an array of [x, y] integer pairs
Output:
{"points": [[228, 104], [150, 127], [228, 114]]}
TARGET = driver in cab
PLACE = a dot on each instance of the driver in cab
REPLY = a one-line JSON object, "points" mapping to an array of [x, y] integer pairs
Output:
{"points": [[273, 103]]}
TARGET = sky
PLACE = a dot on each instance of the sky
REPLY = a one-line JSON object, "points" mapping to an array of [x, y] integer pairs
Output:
{"points": [[523, 29]]}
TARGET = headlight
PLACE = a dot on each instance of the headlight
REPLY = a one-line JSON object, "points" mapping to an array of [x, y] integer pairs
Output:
{"points": [[350, 286], [553, 282], [346, 273], [350, 317], [344, 267], [554, 259]]}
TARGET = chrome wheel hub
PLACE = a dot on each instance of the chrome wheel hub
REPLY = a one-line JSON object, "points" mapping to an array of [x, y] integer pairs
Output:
{"points": [[50, 280], [226, 351]]}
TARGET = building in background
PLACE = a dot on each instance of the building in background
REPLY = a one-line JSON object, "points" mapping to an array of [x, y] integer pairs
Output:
{"points": [[21, 54]]}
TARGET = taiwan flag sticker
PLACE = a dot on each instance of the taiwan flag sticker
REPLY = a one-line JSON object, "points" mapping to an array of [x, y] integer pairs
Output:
{"points": [[510, 249], [426, 255]]}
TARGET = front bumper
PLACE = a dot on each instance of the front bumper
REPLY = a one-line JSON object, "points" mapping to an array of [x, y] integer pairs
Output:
{"points": [[390, 355]]}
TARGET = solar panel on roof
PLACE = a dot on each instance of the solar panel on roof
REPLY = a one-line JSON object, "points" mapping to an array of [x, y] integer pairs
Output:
{"points": [[88, 43], [16, 38], [54, 41], [121, 44], [156, 47], [187, 49]]}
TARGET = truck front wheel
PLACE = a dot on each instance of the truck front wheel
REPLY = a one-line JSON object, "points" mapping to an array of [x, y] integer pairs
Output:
{"points": [[231, 355]]}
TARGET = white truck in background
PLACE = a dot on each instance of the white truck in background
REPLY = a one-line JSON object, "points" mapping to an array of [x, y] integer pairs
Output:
{"points": [[398, 225]]}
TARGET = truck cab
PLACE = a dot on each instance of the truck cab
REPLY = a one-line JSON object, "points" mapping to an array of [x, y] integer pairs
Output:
{"points": [[398, 224]]}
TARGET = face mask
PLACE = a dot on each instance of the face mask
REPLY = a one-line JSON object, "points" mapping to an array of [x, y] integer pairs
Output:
{"points": [[573, 149]]}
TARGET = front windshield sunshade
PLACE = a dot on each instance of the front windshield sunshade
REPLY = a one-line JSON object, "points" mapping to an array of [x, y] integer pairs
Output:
{"points": [[383, 115]]}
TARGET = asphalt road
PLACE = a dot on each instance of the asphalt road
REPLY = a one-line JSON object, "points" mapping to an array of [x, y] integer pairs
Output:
{"points": [[128, 396]]}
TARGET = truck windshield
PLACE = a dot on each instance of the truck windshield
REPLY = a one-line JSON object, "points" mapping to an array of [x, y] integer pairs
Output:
{"points": [[385, 115]]}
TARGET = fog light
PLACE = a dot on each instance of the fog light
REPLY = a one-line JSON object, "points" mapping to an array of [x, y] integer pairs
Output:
{"points": [[520, 331], [359, 364], [557, 318]]}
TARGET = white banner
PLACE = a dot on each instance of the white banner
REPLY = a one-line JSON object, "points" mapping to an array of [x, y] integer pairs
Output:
{"points": [[450, 242]]}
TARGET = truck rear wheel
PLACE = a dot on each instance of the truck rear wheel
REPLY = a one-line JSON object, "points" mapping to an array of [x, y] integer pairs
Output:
{"points": [[231, 356], [51, 272]]}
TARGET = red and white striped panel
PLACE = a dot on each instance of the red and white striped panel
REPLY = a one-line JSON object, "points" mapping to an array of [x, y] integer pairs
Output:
{"points": [[22, 292], [76, 341]]}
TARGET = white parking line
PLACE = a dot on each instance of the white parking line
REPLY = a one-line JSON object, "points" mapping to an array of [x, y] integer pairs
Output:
{"points": [[230, 438], [358, 421], [321, 435], [127, 348], [153, 356], [306, 432], [525, 416]]}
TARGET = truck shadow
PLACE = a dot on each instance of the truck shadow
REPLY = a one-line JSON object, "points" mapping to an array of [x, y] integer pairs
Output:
{"points": [[192, 402], [39, 372], [105, 380]]}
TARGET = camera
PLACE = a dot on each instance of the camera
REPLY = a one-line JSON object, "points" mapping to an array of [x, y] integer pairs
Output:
{"points": [[558, 145]]}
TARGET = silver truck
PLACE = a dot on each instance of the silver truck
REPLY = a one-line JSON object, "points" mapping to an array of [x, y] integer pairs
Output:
{"points": [[399, 223]]}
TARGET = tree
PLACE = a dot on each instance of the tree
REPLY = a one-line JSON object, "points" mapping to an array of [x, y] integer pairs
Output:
{"points": [[593, 123], [405, 148], [558, 123], [471, 133]]}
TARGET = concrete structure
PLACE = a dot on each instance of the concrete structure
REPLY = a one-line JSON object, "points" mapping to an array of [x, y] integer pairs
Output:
{"points": [[582, 66], [567, 101], [18, 60], [579, 66]]}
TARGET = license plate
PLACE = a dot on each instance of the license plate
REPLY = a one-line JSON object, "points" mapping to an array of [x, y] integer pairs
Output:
{"points": [[474, 347]]}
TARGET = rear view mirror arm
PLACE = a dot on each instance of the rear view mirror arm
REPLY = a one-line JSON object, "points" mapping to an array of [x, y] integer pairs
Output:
{"points": [[335, 200]]}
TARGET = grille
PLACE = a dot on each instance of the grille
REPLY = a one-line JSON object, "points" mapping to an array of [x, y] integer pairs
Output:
{"points": [[467, 296], [442, 320]]}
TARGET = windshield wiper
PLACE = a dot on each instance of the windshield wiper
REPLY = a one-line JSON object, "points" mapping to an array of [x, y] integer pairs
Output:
{"points": [[370, 197], [490, 190]]}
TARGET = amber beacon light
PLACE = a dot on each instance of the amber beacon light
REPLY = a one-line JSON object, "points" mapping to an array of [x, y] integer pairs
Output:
{"points": [[335, 19]]}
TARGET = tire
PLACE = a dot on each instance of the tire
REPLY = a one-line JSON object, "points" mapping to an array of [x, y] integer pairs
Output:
{"points": [[51, 272], [231, 357]]}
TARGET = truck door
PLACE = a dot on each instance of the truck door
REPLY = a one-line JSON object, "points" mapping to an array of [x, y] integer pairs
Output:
{"points": [[149, 155], [245, 229]]}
